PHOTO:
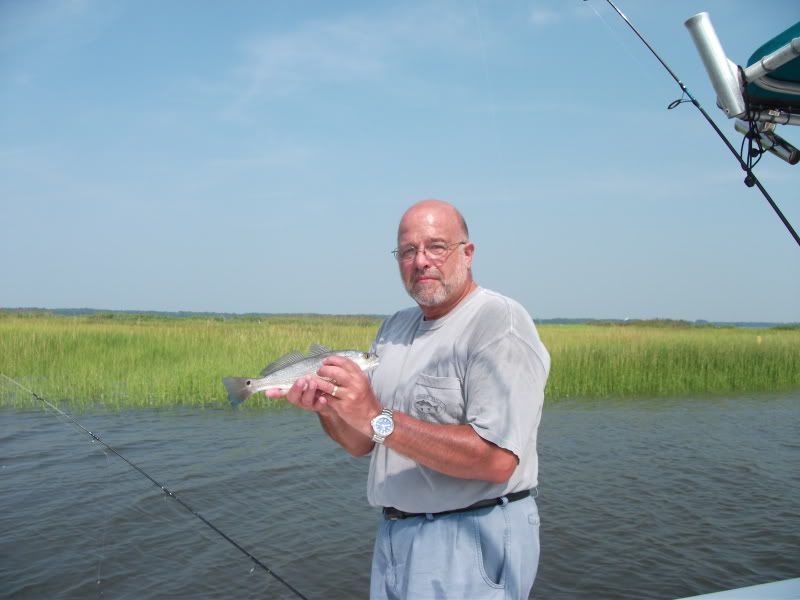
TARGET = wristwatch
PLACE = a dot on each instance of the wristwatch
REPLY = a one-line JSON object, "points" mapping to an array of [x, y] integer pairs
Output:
{"points": [[382, 426]]}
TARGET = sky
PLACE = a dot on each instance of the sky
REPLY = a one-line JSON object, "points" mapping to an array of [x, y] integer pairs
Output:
{"points": [[251, 156]]}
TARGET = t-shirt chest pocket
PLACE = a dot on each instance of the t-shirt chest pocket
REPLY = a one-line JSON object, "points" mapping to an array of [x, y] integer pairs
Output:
{"points": [[437, 399]]}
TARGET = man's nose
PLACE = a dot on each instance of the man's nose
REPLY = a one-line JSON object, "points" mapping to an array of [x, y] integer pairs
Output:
{"points": [[421, 260]]}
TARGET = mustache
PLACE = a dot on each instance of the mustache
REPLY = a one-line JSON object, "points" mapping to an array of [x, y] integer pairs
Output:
{"points": [[428, 273]]}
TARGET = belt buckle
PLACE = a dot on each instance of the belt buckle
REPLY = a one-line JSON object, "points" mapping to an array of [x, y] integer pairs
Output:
{"points": [[392, 514]]}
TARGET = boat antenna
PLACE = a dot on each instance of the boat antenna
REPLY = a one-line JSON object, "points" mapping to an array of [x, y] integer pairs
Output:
{"points": [[162, 487], [750, 179]]}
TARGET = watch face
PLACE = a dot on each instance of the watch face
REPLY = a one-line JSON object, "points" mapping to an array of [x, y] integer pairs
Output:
{"points": [[383, 425]]}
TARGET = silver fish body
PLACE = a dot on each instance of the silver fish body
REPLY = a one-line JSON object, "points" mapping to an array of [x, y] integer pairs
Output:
{"points": [[282, 373]]}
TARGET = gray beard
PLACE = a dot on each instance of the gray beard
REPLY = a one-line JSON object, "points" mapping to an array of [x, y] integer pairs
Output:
{"points": [[439, 295]]}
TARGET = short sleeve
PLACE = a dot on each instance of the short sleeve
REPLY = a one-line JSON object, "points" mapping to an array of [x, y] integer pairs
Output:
{"points": [[504, 391]]}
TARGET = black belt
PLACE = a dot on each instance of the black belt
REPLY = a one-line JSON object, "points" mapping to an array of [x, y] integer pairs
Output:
{"points": [[393, 514]]}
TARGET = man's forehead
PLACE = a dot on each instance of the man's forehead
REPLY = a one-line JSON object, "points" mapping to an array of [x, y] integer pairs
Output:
{"points": [[414, 241], [423, 236], [429, 224]]}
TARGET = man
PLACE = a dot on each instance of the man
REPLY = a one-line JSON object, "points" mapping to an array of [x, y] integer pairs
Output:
{"points": [[450, 416]]}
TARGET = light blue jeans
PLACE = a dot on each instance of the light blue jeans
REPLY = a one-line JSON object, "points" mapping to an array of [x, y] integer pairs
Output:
{"points": [[489, 553]]}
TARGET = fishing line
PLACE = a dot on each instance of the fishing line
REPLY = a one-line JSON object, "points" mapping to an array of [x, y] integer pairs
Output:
{"points": [[750, 179], [490, 96], [625, 45], [163, 488]]}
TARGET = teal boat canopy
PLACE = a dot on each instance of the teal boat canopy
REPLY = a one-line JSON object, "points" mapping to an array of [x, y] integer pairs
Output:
{"points": [[774, 90], [760, 96]]}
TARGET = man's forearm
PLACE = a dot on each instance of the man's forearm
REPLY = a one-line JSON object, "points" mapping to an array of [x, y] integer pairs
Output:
{"points": [[355, 442], [454, 450]]}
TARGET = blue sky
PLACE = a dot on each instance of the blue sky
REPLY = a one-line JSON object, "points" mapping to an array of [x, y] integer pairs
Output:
{"points": [[253, 156]]}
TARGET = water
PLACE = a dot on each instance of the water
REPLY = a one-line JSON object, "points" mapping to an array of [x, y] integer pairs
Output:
{"points": [[639, 499]]}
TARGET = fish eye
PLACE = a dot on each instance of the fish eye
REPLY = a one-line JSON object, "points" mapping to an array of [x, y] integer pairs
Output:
{"points": [[248, 382]]}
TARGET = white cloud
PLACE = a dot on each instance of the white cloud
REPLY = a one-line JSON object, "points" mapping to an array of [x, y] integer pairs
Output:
{"points": [[549, 12], [544, 16], [283, 64], [23, 22], [353, 48]]}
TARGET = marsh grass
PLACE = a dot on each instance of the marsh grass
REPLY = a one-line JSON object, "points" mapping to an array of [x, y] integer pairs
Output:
{"points": [[600, 361], [153, 361]]}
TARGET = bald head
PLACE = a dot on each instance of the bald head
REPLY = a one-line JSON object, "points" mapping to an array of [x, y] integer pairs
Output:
{"points": [[434, 212], [435, 256]]}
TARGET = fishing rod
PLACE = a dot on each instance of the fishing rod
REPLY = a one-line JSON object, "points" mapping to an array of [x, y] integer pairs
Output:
{"points": [[162, 487], [750, 179]]}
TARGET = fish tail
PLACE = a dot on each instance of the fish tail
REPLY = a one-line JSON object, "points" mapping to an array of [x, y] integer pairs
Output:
{"points": [[239, 389]]}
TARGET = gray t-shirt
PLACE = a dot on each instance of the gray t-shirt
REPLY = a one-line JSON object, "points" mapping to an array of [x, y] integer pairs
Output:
{"points": [[482, 364]]}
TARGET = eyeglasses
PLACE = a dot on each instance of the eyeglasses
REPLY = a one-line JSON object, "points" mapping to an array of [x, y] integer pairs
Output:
{"points": [[436, 251]]}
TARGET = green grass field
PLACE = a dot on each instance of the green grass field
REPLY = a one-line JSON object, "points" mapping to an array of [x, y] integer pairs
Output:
{"points": [[121, 360]]}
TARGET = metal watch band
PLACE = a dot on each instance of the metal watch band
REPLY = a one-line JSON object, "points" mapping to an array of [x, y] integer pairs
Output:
{"points": [[378, 439]]}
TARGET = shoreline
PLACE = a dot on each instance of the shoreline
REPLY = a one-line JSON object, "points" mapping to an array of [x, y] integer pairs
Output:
{"points": [[150, 361]]}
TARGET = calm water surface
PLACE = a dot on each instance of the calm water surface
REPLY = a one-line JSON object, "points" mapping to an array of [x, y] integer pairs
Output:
{"points": [[639, 499]]}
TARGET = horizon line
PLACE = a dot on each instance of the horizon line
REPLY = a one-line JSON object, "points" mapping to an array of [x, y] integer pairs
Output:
{"points": [[88, 310]]}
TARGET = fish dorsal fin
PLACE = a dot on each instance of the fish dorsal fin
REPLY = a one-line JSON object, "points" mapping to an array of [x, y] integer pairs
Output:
{"points": [[283, 361], [317, 349]]}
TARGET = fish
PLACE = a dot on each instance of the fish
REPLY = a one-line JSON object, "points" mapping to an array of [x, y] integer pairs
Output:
{"points": [[282, 373]]}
